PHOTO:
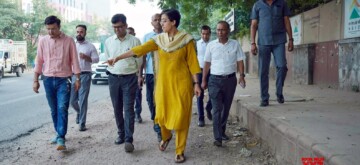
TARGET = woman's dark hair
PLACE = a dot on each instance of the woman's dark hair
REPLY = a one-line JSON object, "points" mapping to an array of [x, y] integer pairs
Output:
{"points": [[118, 18], [83, 26], [51, 20], [172, 14]]}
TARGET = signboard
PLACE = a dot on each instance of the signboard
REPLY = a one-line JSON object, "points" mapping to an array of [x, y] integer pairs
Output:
{"points": [[352, 19], [230, 18], [296, 24]]}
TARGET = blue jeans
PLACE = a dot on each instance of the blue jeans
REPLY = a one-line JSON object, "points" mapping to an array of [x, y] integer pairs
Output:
{"points": [[200, 99], [138, 99], [278, 52], [79, 99], [58, 95], [149, 81], [221, 92], [122, 93]]}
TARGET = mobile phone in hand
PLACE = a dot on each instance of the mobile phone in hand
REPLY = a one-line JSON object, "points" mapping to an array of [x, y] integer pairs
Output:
{"points": [[242, 84]]}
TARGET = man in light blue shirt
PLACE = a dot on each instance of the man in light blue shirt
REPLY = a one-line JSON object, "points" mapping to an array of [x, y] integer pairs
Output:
{"points": [[201, 48], [148, 63]]}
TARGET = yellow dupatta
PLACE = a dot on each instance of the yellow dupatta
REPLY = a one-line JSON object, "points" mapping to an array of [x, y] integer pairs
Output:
{"points": [[180, 40]]}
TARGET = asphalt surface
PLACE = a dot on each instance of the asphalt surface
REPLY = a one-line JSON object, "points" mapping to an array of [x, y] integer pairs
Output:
{"points": [[22, 111]]}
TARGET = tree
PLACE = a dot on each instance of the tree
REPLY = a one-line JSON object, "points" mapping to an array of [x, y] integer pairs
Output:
{"points": [[198, 12], [94, 30], [35, 25], [11, 21]]}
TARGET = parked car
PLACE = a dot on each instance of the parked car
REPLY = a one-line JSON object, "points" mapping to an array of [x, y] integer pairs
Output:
{"points": [[1, 72], [99, 70]]}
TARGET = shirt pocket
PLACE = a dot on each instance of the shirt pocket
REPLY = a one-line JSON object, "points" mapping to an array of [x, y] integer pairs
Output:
{"points": [[217, 53], [278, 11]]}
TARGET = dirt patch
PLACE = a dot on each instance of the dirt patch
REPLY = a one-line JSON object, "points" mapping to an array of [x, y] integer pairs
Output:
{"points": [[96, 145]]}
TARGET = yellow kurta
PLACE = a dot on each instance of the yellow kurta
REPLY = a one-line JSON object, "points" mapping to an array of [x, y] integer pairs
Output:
{"points": [[174, 85]]}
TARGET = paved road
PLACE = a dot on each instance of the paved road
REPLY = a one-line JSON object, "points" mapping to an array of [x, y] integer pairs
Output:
{"points": [[22, 110]]}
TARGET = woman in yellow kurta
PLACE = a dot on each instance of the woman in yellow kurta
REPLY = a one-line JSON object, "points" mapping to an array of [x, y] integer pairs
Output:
{"points": [[176, 79]]}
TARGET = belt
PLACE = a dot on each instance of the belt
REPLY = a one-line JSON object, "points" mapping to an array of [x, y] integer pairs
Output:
{"points": [[121, 75], [87, 72], [224, 76]]}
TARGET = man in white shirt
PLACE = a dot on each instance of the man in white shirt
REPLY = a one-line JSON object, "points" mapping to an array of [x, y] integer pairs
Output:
{"points": [[201, 48], [225, 57], [122, 80]]}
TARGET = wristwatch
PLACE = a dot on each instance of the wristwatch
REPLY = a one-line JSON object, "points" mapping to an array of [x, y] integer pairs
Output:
{"points": [[77, 79], [242, 75]]}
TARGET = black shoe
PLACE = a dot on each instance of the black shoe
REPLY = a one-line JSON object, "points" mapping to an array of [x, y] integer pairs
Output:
{"points": [[119, 141], [209, 115], [217, 143], [264, 103], [225, 137], [82, 128], [281, 99], [138, 119], [201, 123], [77, 118], [129, 147]]}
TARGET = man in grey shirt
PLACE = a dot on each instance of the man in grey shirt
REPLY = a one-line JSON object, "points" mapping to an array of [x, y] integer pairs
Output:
{"points": [[271, 19], [87, 55]]}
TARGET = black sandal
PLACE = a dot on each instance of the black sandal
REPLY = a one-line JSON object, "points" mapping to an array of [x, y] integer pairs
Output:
{"points": [[180, 158], [164, 144]]}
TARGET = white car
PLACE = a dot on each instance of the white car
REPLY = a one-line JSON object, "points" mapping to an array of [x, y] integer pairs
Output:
{"points": [[99, 70], [1, 71]]}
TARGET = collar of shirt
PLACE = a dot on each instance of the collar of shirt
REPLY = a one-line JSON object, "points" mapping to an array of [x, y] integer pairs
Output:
{"points": [[125, 38], [218, 41], [81, 43], [273, 3], [203, 42], [62, 35]]}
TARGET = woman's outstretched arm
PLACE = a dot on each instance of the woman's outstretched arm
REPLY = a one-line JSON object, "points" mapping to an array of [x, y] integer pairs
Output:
{"points": [[127, 54]]}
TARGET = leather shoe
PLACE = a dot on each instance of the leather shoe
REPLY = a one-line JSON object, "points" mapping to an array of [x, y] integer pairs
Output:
{"points": [[281, 99], [82, 128], [119, 140], [264, 103], [201, 123], [129, 147], [138, 119], [225, 137], [217, 143]]}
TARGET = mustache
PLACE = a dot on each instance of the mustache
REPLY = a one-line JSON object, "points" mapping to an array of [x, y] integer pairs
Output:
{"points": [[80, 38]]}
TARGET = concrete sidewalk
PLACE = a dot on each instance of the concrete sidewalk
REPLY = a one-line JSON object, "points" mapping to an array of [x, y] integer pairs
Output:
{"points": [[313, 122]]}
